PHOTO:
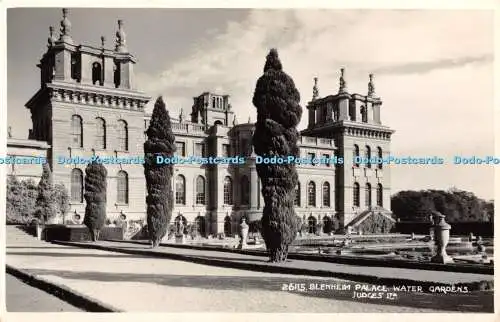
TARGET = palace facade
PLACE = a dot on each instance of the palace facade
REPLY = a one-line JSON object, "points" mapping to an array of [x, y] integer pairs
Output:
{"points": [[88, 104]]}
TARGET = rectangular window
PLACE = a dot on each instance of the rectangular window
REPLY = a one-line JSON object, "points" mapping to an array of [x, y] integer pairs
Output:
{"points": [[326, 158], [181, 149], [311, 157], [244, 147], [226, 150], [199, 149]]}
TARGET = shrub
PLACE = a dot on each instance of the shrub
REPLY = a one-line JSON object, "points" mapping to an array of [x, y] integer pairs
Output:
{"points": [[278, 114], [21, 199], [376, 224], [45, 206], [61, 198]]}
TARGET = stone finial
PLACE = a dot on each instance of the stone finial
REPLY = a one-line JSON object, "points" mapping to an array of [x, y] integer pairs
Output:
{"points": [[65, 27], [371, 86], [121, 38], [103, 41], [181, 115], [52, 39], [342, 82], [315, 89], [9, 132], [235, 121], [249, 120]]}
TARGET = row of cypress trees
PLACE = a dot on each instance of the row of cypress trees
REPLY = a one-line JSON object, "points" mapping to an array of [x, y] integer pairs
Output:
{"points": [[278, 114]]}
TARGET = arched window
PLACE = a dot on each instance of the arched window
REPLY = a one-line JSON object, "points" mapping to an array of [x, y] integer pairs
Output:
{"points": [[326, 194], [245, 190], [311, 194], [75, 66], [355, 155], [117, 74], [380, 195], [368, 156], [227, 226], [368, 195], [76, 131], [297, 195], [379, 155], [77, 185], [336, 113], [180, 190], [355, 194], [199, 224], [122, 187], [200, 190], [364, 114], [312, 224], [213, 102], [100, 133], [122, 135], [228, 191], [97, 74]]}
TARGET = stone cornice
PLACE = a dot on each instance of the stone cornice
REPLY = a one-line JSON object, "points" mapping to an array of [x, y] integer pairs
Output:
{"points": [[59, 45], [355, 129], [96, 51], [41, 145], [93, 95], [330, 98]]}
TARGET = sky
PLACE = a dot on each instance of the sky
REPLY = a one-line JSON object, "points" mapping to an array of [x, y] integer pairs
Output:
{"points": [[433, 69]]}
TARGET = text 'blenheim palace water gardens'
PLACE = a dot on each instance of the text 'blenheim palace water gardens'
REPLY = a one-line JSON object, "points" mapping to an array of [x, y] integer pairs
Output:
{"points": [[88, 104]]}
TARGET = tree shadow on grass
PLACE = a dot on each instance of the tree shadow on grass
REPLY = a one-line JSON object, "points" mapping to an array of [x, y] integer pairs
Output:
{"points": [[472, 302]]}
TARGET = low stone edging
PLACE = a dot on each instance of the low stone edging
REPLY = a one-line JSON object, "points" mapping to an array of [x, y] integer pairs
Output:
{"points": [[280, 268], [62, 292], [347, 260]]}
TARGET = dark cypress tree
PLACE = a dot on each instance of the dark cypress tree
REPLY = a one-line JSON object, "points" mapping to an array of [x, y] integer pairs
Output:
{"points": [[278, 114], [45, 201], [95, 197], [160, 142]]}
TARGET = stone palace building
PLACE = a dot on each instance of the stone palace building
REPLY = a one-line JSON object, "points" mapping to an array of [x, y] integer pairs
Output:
{"points": [[88, 104]]}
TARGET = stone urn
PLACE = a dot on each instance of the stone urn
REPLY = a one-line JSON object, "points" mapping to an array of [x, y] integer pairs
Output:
{"points": [[243, 232], [441, 239], [39, 230]]}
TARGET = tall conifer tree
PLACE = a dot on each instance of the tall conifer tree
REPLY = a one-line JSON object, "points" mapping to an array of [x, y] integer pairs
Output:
{"points": [[278, 114], [159, 200], [95, 198]]}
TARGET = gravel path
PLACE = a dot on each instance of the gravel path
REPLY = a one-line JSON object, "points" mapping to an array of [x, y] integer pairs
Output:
{"points": [[145, 284], [22, 298]]}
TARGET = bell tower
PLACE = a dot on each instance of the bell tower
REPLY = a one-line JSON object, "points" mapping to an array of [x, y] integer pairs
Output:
{"points": [[353, 121], [87, 104], [210, 109]]}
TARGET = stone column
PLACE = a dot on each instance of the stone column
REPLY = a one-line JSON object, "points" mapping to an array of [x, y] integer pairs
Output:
{"points": [[343, 105], [109, 73], [254, 188]]}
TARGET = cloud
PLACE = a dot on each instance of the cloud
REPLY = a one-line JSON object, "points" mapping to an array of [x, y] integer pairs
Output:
{"points": [[425, 67], [433, 70]]}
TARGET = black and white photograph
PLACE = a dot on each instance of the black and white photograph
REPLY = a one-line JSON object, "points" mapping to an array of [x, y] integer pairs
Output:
{"points": [[249, 160]]}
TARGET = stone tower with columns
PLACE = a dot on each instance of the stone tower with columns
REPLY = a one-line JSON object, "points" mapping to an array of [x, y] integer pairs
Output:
{"points": [[88, 105], [354, 122], [210, 108]]}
